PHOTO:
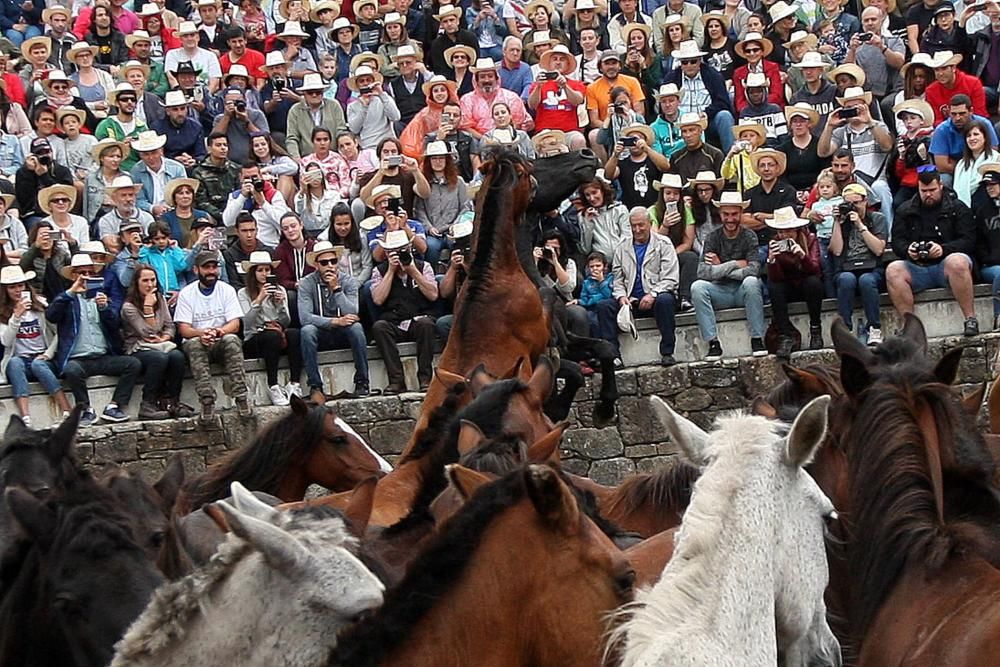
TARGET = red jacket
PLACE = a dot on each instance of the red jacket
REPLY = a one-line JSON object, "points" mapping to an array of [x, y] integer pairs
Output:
{"points": [[790, 268], [286, 270], [939, 97], [775, 90]]}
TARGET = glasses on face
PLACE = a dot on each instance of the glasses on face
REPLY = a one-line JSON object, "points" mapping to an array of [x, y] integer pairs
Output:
{"points": [[59, 200], [59, 86], [83, 272], [124, 98], [314, 92], [752, 50], [326, 262], [707, 189], [927, 169], [690, 61]]}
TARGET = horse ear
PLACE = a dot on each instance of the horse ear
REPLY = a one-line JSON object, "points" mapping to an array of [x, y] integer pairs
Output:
{"points": [[808, 432], [170, 482], [479, 379], [974, 401], [552, 498], [245, 501], [280, 549], [854, 375], [542, 380], [359, 508], [299, 406], [946, 369], [469, 437], [60, 443], [546, 448], [913, 329], [447, 378], [465, 480], [688, 436], [845, 342], [804, 380], [762, 408], [214, 513], [37, 520]]}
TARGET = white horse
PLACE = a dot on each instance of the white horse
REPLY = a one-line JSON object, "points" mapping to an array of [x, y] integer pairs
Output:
{"points": [[745, 585], [277, 592]]}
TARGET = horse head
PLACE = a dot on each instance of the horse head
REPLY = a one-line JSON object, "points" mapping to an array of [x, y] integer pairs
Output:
{"points": [[508, 175]]}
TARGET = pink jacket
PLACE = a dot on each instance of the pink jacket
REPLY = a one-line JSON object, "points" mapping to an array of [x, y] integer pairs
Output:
{"points": [[477, 111]]}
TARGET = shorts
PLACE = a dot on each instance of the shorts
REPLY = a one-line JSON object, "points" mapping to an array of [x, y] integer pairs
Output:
{"points": [[925, 277]]}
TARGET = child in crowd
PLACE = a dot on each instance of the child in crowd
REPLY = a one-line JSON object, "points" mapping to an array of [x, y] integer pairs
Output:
{"points": [[167, 259], [506, 135], [596, 287], [328, 72], [824, 214], [737, 168]]}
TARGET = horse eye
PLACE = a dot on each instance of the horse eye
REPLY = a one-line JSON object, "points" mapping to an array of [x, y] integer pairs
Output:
{"points": [[339, 439], [625, 582], [42, 492], [156, 539], [831, 517]]}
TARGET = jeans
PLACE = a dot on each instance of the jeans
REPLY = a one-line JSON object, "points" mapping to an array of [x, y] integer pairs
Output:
{"points": [[663, 311], [869, 284], [266, 345], [722, 125], [809, 290], [125, 368], [313, 339], [18, 38], [827, 261], [881, 189], [707, 296], [435, 244], [163, 373], [21, 371], [443, 326], [688, 262], [990, 273]]}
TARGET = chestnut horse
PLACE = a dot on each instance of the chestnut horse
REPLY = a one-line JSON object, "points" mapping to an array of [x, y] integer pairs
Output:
{"points": [[519, 576]]}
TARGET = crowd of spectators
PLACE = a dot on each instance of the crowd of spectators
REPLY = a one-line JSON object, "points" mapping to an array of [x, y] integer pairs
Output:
{"points": [[193, 182]]}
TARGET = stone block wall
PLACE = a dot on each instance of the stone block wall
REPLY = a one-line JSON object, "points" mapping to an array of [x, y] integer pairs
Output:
{"points": [[635, 442]]}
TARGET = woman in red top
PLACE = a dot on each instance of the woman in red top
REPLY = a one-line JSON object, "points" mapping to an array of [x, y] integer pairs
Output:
{"points": [[794, 273], [754, 49], [912, 148]]}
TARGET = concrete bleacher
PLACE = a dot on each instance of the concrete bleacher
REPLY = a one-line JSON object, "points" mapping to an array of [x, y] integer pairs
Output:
{"points": [[937, 308]]}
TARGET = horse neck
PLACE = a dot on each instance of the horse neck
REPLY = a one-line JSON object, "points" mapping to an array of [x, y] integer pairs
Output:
{"points": [[293, 484]]}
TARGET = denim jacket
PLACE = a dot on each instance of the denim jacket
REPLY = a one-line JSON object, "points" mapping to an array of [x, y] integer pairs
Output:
{"points": [[11, 155]]}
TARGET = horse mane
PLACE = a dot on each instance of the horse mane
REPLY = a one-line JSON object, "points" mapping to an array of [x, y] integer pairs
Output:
{"points": [[260, 465], [787, 399], [497, 456], [176, 603], [668, 486], [432, 575]]}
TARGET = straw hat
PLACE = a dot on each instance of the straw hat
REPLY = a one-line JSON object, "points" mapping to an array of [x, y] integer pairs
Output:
{"points": [[730, 198], [148, 140], [352, 81], [668, 90], [56, 76], [764, 42], [374, 60], [692, 118], [777, 155], [450, 52], [546, 59], [756, 128], [406, 51], [916, 107], [672, 19], [275, 58], [322, 248], [718, 16], [371, 222], [687, 50], [707, 178], [849, 69], [918, 58], [79, 261], [811, 59], [559, 136], [394, 17], [35, 41], [292, 29], [135, 64], [79, 48], [438, 80], [341, 23], [236, 70], [990, 168], [358, 4], [380, 191], [323, 6], [437, 149], [800, 36], [855, 93], [186, 28], [118, 90], [644, 130], [104, 144], [780, 10], [174, 98], [94, 248], [945, 59], [13, 275], [168, 192], [122, 183], [785, 218], [484, 65], [452, 10], [79, 114], [669, 181], [530, 8], [582, 5], [150, 9], [45, 196], [394, 240], [259, 258], [47, 14], [802, 110], [641, 27], [541, 37]]}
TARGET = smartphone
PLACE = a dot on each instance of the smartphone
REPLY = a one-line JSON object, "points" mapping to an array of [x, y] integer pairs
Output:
{"points": [[217, 240], [26, 297], [669, 208], [394, 160], [848, 112], [395, 205], [271, 280], [785, 245]]}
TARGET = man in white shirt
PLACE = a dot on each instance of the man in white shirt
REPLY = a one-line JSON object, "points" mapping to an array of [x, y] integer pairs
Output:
{"points": [[208, 317], [262, 199], [206, 62]]}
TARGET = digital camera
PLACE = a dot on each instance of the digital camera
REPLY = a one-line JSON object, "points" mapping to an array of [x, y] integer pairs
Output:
{"points": [[405, 257], [923, 250]]}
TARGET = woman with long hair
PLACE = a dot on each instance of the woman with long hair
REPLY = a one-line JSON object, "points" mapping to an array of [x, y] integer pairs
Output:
{"points": [[267, 327], [977, 152], [148, 332], [461, 58], [794, 273], [448, 198], [112, 50], [675, 31], [603, 219], [505, 134], [719, 44], [705, 213], [179, 196], [642, 63], [917, 75], [344, 231], [108, 155], [539, 14], [394, 35], [57, 201], [28, 339], [803, 163], [672, 217], [438, 91], [161, 37], [315, 200], [274, 162]]}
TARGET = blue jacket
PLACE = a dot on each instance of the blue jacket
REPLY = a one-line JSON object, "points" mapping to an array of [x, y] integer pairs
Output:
{"points": [[170, 265], [714, 83], [593, 292], [188, 138], [64, 312], [140, 174]]}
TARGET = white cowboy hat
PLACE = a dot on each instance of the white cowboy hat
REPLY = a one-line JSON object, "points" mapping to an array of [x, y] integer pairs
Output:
{"points": [[258, 258], [802, 110], [322, 248], [765, 44], [437, 149], [669, 181], [780, 10], [394, 240], [135, 64], [174, 98], [855, 93], [916, 107], [323, 6], [312, 81], [136, 37], [57, 76], [811, 59], [452, 10], [341, 23], [292, 29], [945, 59], [582, 5], [450, 52], [718, 16], [687, 50], [283, 8], [693, 118], [484, 65], [918, 58], [122, 183], [785, 218], [186, 28], [150, 9], [172, 187], [668, 90], [851, 70], [801, 36], [79, 260], [13, 275], [358, 4], [438, 80], [123, 87], [406, 51], [756, 80], [708, 178], [275, 58], [730, 198], [27, 44], [394, 17], [641, 27], [45, 196], [148, 140], [236, 70], [364, 70], [79, 48]]}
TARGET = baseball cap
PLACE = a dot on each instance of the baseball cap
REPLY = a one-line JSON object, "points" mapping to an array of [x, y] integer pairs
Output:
{"points": [[855, 189], [206, 256]]}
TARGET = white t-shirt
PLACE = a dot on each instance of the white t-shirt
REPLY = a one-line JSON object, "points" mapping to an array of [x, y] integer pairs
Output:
{"points": [[868, 155], [205, 61], [206, 311]]}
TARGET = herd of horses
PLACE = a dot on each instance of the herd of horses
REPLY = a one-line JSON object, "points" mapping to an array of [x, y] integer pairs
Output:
{"points": [[851, 516]]}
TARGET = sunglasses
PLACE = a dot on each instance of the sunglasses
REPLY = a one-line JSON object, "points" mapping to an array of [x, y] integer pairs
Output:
{"points": [[927, 169], [752, 50], [59, 200], [326, 262], [126, 98], [690, 61], [59, 86]]}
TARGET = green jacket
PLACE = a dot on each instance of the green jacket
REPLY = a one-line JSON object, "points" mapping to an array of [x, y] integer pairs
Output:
{"points": [[109, 127], [298, 132], [217, 183], [157, 82]]}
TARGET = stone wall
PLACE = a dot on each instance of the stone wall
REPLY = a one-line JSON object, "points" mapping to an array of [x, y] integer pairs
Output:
{"points": [[633, 443]]}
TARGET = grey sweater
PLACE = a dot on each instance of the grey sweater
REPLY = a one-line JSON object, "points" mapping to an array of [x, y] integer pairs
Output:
{"points": [[318, 304], [729, 251]]}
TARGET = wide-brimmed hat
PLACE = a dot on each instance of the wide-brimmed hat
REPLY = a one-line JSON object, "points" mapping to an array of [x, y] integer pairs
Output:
{"points": [[803, 109], [185, 67], [148, 140], [323, 6], [944, 59], [122, 183], [174, 98], [669, 181], [275, 58], [150, 9], [849, 69], [373, 60], [394, 240], [693, 118], [394, 17], [638, 128], [668, 90], [380, 191], [919, 59], [343, 22], [14, 275], [484, 65], [581, 5], [322, 248], [539, 37], [756, 80], [283, 8], [406, 51], [778, 156], [45, 196], [56, 9], [706, 178], [801, 36], [104, 144], [687, 50], [358, 4], [450, 52], [186, 28], [135, 64], [756, 128], [136, 37], [258, 258], [236, 70], [452, 10], [559, 135], [437, 149], [890, 5], [79, 48], [641, 27], [670, 20], [785, 218], [546, 58], [811, 59], [79, 114], [292, 29], [780, 10], [990, 172], [461, 229], [730, 198], [115, 92], [371, 222], [364, 70], [718, 16], [313, 81], [56, 76], [855, 93], [173, 185], [94, 248], [917, 107], [530, 8], [35, 41], [79, 260], [438, 80], [765, 44]]}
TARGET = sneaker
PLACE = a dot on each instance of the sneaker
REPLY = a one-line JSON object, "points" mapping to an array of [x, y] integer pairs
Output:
{"points": [[207, 411], [293, 389], [757, 347], [815, 338], [785, 346], [874, 336], [685, 306], [278, 396], [112, 413], [243, 407], [27, 420], [361, 389], [971, 326], [667, 360], [393, 389], [618, 363], [714, 350], [88, 417], [149, 411]]}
